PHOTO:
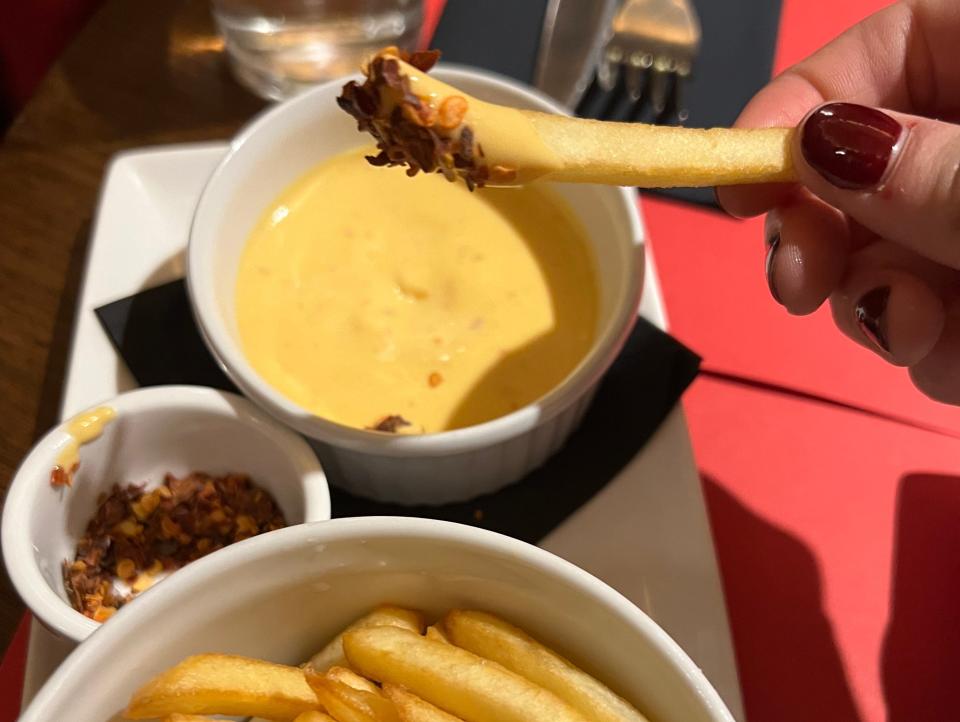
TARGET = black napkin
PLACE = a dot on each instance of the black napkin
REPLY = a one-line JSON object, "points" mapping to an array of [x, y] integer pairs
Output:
{"points": [[156, 335], [735, 60]]}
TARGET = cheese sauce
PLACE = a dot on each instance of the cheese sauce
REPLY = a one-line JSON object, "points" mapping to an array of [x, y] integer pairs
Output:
{"points": [[82, 429], [363, 293]]}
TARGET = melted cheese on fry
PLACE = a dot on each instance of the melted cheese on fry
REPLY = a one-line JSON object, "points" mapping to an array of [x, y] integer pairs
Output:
{"points": [[364, 293]]}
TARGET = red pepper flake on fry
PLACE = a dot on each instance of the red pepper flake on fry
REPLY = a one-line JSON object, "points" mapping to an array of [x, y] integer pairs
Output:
{"points": [[137, 535], [434, 379], [452, 111], [408, 130], [60, 477]]}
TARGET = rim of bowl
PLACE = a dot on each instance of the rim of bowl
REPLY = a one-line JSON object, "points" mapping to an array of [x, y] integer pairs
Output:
{"points": [[262, 548], [16, 530], [233, 361]]}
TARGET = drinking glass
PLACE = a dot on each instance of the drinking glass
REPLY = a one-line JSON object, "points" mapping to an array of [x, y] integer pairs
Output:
{"points": [[279, 47]]}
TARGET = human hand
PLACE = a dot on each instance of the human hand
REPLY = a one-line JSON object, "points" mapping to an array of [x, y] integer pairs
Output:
{"points": [[874, 223]]}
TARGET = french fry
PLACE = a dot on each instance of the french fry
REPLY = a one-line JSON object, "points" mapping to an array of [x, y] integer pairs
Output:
{"points": [[383, 616], [224, 684], [352, 679], [314, 716], [437, 633], [520, 146], [453, 679], [411, 708], [492, 638], [347, 704], [656, 156], [190, 718]]}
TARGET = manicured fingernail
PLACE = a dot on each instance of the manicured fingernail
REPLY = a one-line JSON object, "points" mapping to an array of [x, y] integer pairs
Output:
{"points": [[850, 145], [773, 242], [871, 316]]}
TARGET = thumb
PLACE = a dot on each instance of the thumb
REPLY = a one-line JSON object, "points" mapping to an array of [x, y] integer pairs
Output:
{"points": [[898, 175]]}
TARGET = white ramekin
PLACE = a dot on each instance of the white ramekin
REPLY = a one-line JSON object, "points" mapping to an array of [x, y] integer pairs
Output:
{"points": [[281, 595], [176, 429], [450, 466]]}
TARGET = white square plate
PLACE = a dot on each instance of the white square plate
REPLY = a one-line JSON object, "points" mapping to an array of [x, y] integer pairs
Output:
{"points": [[646, 534]]}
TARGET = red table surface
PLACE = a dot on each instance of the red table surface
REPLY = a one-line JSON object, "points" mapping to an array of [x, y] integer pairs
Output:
{"points": [[839, 548], [835, 529]]}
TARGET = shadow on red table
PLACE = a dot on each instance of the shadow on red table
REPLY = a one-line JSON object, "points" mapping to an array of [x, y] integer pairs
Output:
{"points": [[785, 647], [921, 656]]}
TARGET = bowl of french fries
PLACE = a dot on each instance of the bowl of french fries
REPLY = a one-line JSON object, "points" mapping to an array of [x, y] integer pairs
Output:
{"points": [[380, 619]]}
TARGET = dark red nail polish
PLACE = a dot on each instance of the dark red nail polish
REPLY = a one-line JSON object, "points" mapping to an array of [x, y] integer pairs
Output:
{"points": [[850, 145], [870, 313], [773, 242]]}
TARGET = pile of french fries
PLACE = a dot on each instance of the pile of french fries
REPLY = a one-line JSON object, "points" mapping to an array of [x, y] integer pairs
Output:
{"points": [[389, 666]]}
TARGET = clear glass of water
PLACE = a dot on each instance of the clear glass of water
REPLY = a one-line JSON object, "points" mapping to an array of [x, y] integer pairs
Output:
{"points": [[279, 47]]}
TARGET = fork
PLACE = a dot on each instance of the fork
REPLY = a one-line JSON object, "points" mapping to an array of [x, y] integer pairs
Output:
{"points": [[650, 54]]}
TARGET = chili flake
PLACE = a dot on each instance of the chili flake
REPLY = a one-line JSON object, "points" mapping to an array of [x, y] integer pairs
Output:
{"points": [[410, 131], [60, 477], [391, 424], [137, 536]]}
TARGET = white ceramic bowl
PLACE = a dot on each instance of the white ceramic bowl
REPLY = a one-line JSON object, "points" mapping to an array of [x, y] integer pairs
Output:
{"points": [[176, 429], [435, 468], [281, 595]]}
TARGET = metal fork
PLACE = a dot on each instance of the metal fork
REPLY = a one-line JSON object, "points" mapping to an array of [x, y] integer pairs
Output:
{"points": [[648, 57]]}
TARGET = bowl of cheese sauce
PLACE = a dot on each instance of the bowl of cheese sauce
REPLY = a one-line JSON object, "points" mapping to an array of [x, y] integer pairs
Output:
{"points": [[435, 343]]}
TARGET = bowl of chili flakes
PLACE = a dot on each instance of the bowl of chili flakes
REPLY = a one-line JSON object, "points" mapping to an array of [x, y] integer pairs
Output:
{"points": [[167, 475]]}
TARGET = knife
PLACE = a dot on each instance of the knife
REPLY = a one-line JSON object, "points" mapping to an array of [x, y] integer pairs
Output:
{"points": [[574, 32]]}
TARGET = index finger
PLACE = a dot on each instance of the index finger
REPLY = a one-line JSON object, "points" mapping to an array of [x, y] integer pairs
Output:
{"points": [[887, 60]]}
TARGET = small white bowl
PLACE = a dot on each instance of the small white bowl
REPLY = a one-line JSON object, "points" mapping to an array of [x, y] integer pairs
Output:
{"points": [[176, 429], [281, 595], [450, 466]]}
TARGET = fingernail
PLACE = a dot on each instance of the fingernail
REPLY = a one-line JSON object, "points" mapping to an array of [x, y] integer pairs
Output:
{"points": [[773, 242], [871, 315], [850, 145]]}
